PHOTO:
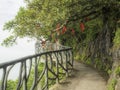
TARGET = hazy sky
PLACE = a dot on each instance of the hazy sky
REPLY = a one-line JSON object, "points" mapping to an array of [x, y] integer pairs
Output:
{"points": [[8, 10]]}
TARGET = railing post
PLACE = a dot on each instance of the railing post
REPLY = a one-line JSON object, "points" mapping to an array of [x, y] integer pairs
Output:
{"points": [[72, 58], [46, 72], [3, 79], [20, 77], [57, 68], [25, 77], [66, 64], [35, 74]]}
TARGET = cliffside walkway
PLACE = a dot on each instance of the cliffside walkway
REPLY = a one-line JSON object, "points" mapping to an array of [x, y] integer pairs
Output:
{"points": [[53, 62], [83, 78]]}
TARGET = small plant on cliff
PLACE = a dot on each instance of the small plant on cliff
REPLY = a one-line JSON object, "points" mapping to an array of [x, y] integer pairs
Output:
{"points": [[111, 86], [117, 70]]}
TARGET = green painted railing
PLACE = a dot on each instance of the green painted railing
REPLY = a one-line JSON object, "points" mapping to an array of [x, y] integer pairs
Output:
{"points": [[56, 63]]}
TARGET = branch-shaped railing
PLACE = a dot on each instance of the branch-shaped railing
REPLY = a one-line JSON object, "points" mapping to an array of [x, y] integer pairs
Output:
{"points": [[37, 72]]}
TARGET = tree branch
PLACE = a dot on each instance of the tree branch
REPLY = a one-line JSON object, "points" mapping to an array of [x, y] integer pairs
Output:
{"points": [[82, 16]]}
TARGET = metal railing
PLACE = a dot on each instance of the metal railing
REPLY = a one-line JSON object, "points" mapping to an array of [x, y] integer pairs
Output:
{"points": [[31, 77]]}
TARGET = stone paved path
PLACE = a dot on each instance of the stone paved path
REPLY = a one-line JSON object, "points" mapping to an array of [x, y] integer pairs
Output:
{"points": [[83, 78]]}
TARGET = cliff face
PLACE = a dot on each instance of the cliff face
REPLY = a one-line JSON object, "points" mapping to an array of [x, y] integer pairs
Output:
{"points": [[114, 80]]}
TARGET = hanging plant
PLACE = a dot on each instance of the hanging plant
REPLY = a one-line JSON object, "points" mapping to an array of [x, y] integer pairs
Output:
{"points": [[37, 25], [82, 26], [52, 36], [64, 29], [73, 31], [87, 19], [56, 40], [43, 42], [58, 28]]}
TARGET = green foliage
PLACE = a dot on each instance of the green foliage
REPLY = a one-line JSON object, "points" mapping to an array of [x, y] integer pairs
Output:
{"points": [[11, 85], [117, 39], [109, 72], [9, 41], [31, 78], [39, 17], [112, 84], [117, 70], [114, 81]]}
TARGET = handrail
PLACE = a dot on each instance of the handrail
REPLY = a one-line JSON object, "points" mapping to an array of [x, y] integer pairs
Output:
{"points": [[54, 62]]}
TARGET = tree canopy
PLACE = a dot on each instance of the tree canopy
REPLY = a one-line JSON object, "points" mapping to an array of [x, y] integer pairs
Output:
{"points": [[45, 17]]}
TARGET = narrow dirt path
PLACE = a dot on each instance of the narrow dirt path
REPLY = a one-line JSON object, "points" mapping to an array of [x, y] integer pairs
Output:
{"points": [[83, 78]]}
